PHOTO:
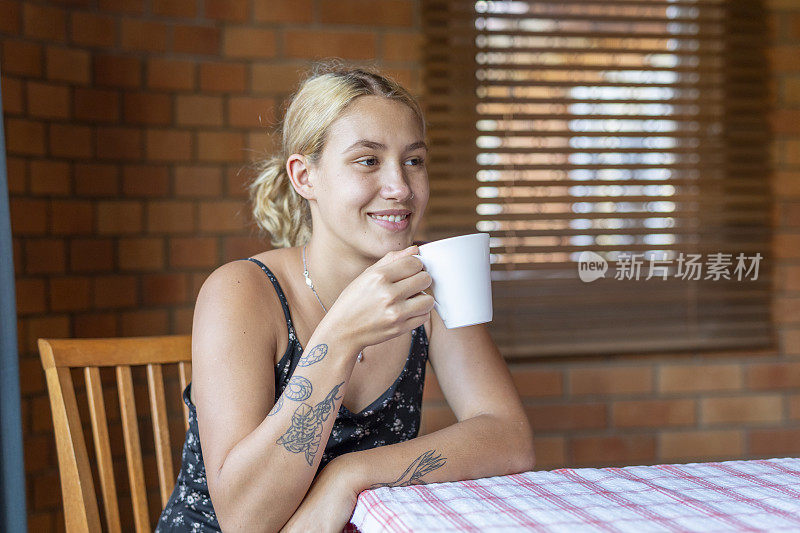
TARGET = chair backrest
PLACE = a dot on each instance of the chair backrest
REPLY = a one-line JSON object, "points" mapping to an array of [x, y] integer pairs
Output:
{"points": [[58, 357]]}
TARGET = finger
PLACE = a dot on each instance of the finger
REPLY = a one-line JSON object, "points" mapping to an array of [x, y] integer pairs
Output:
{"points": [[414, 284], [402, 268], [395, 254], [417, 305]]}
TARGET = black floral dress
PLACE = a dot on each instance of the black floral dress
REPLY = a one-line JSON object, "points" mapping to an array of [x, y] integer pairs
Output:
{"points": [[393, 417]]}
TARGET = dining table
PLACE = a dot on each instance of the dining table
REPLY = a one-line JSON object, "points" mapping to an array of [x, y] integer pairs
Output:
{"points": [[752, 495]]}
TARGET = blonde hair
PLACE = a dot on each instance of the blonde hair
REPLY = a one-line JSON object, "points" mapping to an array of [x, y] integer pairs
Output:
{"points": [[279, 211]]}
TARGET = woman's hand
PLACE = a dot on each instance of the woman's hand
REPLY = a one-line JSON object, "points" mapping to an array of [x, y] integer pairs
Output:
{"points": [[328, 505], [384, 301]]}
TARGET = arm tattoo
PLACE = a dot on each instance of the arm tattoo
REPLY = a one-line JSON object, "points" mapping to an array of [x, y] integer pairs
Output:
{"points": [[427, 462], [305, 433], [277, 406], [316, 355], [298, 389]]}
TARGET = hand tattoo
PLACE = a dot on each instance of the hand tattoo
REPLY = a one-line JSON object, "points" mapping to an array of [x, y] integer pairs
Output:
{"points": [[305, 433], [316, 355], [298, 389], [420, 466]]}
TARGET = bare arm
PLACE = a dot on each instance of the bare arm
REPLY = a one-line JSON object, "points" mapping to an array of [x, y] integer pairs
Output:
{"points": [[259, 464]]}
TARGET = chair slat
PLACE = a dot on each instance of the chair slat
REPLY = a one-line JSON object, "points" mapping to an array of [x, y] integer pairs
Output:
{"points": [[133, 450], [158, 410], [123, 351], [102, 446], [185, 373]]}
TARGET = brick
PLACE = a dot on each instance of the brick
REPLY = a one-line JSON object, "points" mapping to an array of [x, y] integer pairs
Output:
{"points": [[744, 409], [221, 216], [10, 23], [244, 42], [406, 77], [196, 40], [45, 256], [22, 58], [405, 47], [789, 342], [230, 10], [91, 255], [168, 145], [17, 171], [31, 295], [367, 12], [551, 452], [141, 253], [653, 413], [786, 183], [435, 418], [158, 289], [96, 179], [283, 11], [46, 100], [785, 121], [774, 442], [196, 281], [70, 293], [117, 71], [72, 217], [237, 180], [13, 96], [147, 108], [41, 417], [182, 320], [124, 6], [92, 29], [24, 137], [145, 180], [170, 74], [170, 217], [567, 416], [771, 376], [119, 143], [197, 110], [145, 323], [193, 252], [249, 112], [701, 445], [783, 59], [234, 247], [700, 378], [68, 65], [71, 141], [791, 90], [220, 146], [46, 491], [50, 178], [96, 325], [28, 216], [119, 217], [96, 105], [175, 8], [31, 375], [275, 78], [115, 291], [143, 35], [308, 44], [601, 451], [260, 142], [611, 380], [43, 22], [38, 452], [198, 181], [533, 383], [223, 77]]}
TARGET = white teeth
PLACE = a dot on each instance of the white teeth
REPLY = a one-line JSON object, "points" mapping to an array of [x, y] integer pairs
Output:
{"points": [[391, 218]]}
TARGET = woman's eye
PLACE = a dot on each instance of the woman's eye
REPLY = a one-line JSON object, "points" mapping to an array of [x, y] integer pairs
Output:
{"points": [[415, 161], [368, 162]]}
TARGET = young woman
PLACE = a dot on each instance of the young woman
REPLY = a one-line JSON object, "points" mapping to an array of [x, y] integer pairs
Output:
{"points": [[309, 359]]}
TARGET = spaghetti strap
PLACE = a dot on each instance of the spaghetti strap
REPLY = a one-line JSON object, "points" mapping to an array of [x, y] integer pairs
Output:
{"points": [[281, 296]]}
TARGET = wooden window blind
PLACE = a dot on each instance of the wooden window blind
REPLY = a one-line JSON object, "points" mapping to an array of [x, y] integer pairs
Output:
{"points": [[634, 129]]}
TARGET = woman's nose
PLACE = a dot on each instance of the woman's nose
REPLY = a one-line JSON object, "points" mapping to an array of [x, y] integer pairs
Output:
{"points": [[395, 185]]}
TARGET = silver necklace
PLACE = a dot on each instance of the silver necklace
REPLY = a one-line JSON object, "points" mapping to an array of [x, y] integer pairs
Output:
{"points": [[311, 286]]}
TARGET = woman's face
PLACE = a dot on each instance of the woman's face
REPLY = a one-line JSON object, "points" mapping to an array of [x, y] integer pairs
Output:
{"points": [[372, 162]]}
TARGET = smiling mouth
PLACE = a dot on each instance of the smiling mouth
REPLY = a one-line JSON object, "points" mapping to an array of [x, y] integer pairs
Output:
{"points": [[390, 218]]}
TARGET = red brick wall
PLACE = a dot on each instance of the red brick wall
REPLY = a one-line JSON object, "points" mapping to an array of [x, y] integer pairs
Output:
{"points": [[685, 407], [127, 123]]}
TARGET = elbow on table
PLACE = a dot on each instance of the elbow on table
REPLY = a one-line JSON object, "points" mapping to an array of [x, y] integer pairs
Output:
{"points": [[526, 455]]}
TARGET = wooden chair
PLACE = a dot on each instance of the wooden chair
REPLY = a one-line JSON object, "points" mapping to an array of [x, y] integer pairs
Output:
{"points": [[58, 357]]}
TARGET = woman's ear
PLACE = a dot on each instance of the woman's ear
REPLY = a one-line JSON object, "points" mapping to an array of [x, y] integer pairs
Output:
{"points": [[299, 170]]}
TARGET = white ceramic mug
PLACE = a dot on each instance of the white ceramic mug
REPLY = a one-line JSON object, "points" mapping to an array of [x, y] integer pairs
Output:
{"points": [[462, 283]]}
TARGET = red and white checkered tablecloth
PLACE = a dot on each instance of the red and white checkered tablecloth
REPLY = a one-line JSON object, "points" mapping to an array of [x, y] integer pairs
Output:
{"points": [[726, 496]]}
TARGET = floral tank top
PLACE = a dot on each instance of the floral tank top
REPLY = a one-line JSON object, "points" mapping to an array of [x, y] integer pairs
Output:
{"points": [[393, 417]]}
